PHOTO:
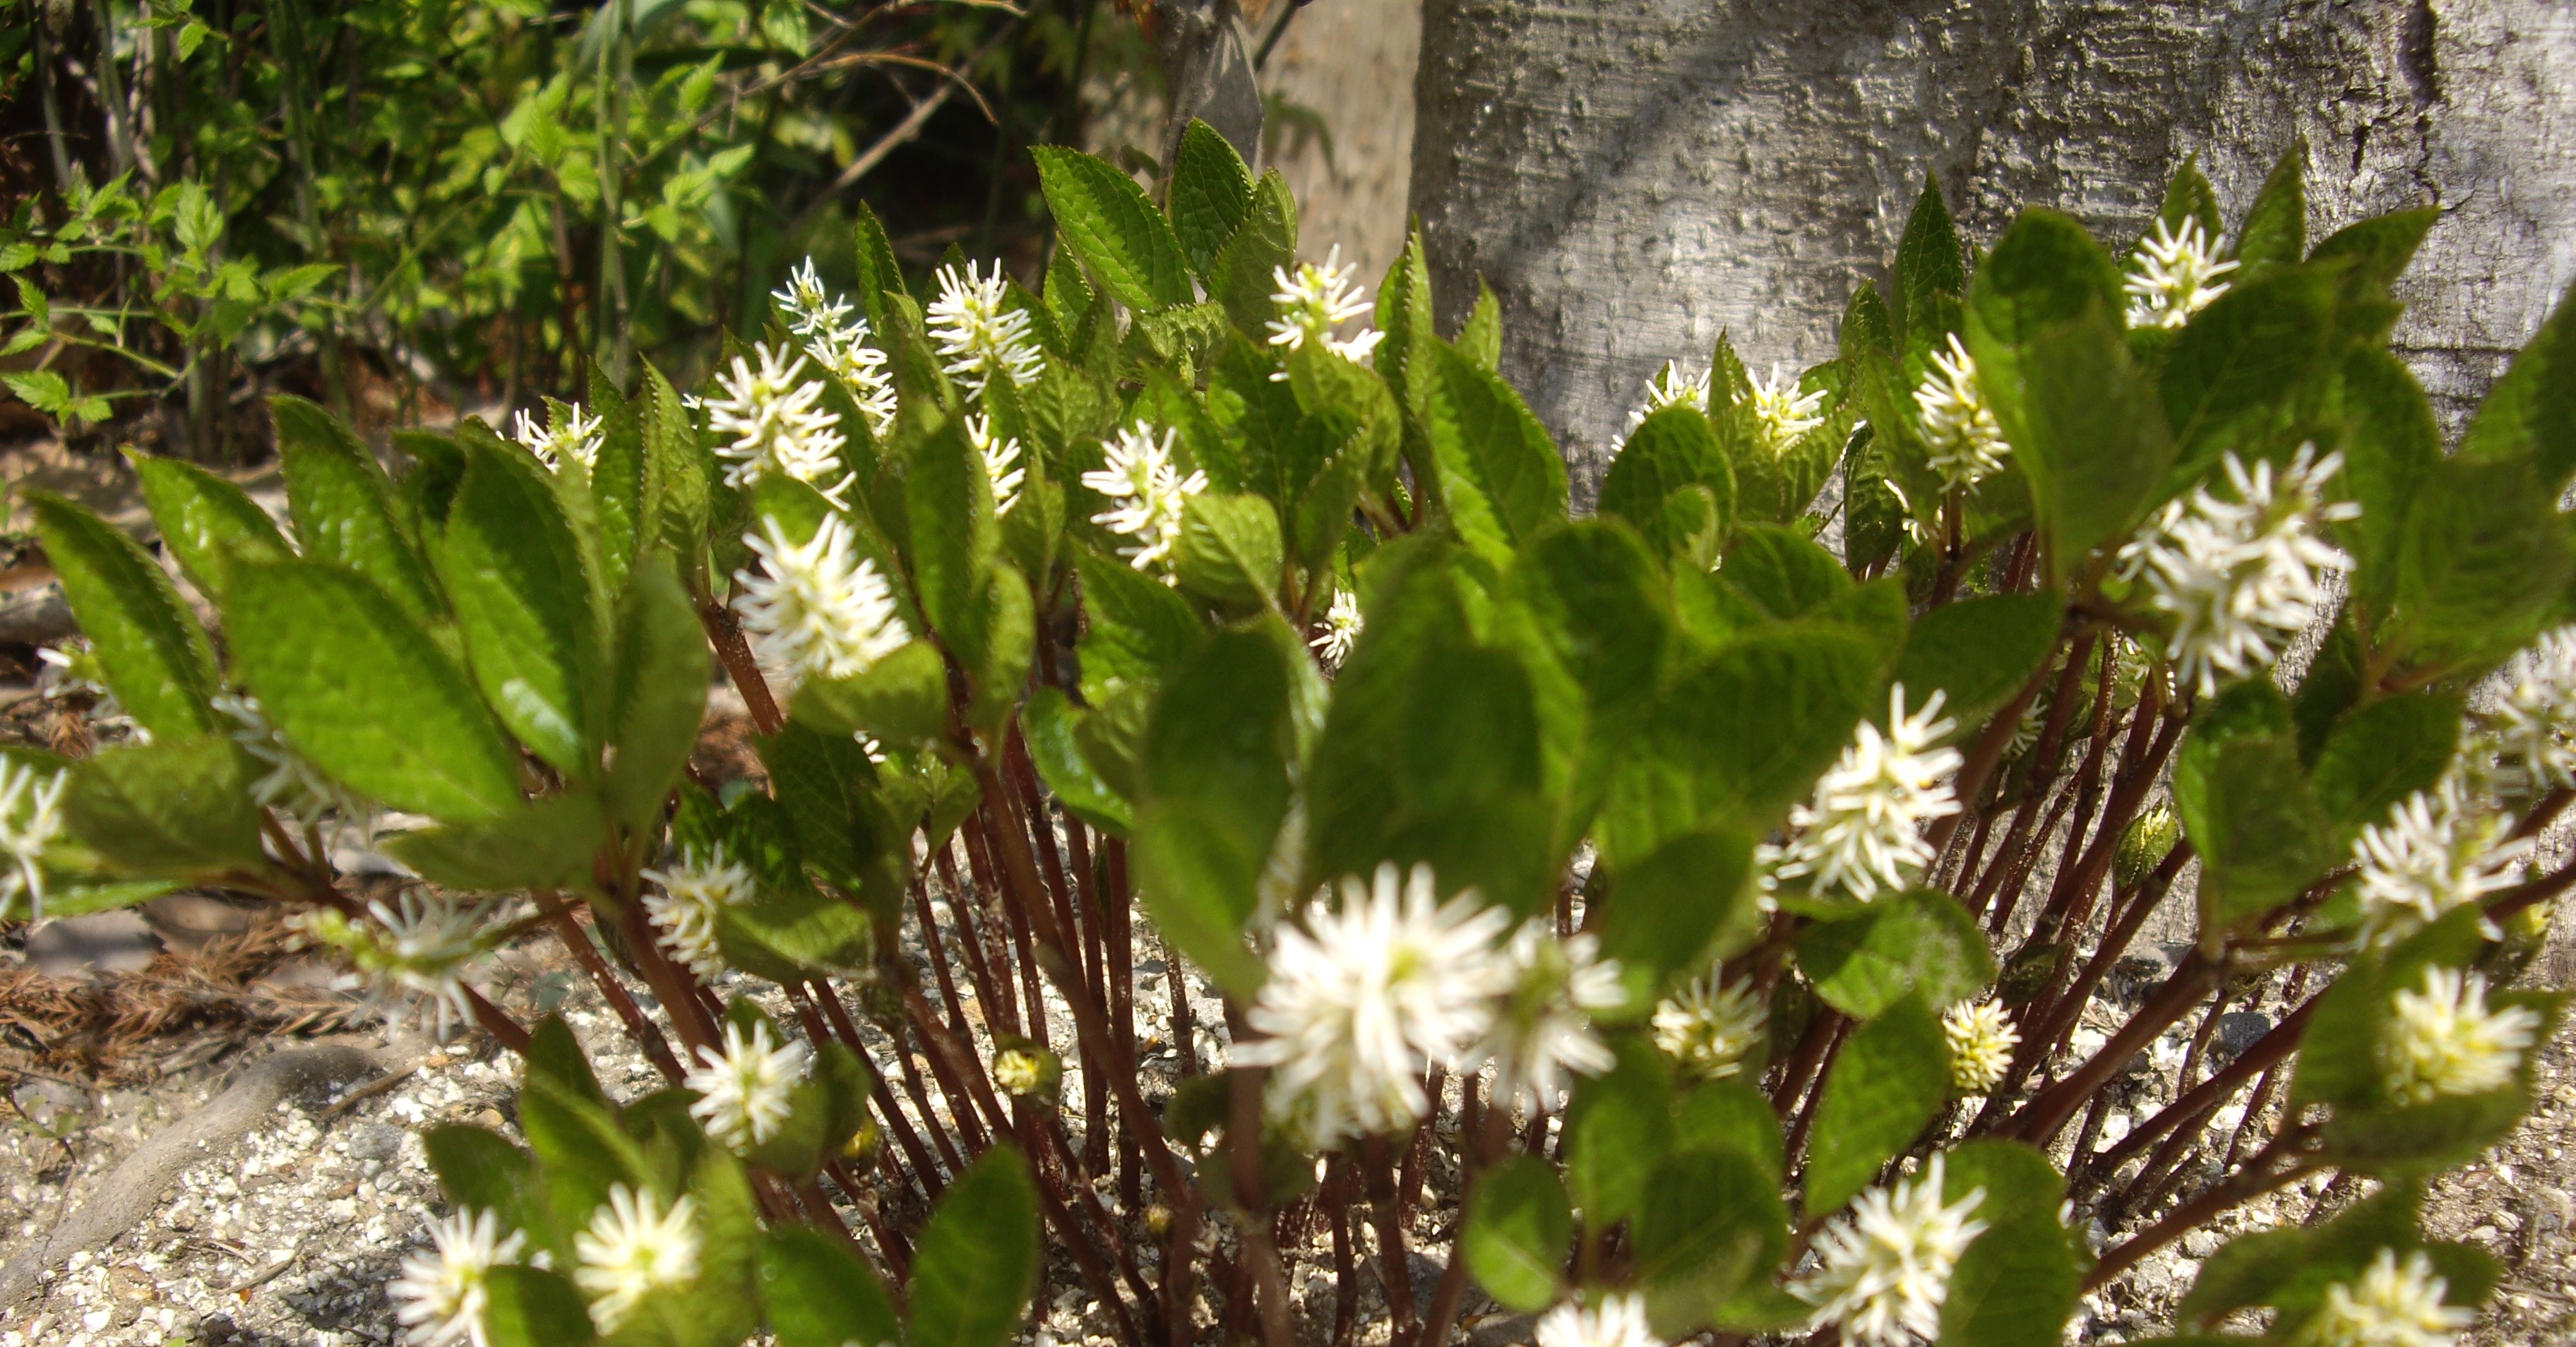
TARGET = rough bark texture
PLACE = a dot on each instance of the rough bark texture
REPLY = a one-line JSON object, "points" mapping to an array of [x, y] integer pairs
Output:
{"points": [[1633, 176], [1343, 135]]}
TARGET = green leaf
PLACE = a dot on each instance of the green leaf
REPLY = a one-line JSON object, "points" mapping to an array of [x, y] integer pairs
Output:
{"points": [[900, 699], [2016, 1285], [1229, 552], [2382, 753], [819, 1293], [1618, 1127], [1918, 941], [1893, 1075], [532, 1307], [1050, 724], [2531, 411], [1217, 762], [207, 522], [1500, 475], [659, 696], [879, 270], [1665, 910], [2391, 445], [2275, 231], [1733, 1114], [1518, 1228], [1979, 651], [1673, 449], [2246, 806], [1108, 219], [2380, 247], [2084, 426], [533, 640], [2482, 563], [1782, 572], [548, 844], [976, 1265], [948, 499], [366, 694], [155, 657], [2241, 357], [1711, 1221], [174, 808], [1927, 260], [1139, 628], [479, 1169], [342, 507], [1211, 193], [1480, 339], [1239, 277]]}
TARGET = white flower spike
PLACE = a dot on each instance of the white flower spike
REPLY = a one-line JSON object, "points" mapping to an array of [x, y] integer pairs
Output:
{"points": [[416, 950], [441, 1297], [1542, 1033], [2444, 1041], [292, 785], [569, 437], [2435, 853], [1709, 1030], [684, 912], [775, 424], [2534, 726], [816, 609], [1672, 386], [1981, 1038], [2240, 576], [982, 337], [1963, 441], [837, 343], [1884, 1270], [1620, 1321], [743, 1090], [31, 817], [1864, 829], [1002, 465], [2173, 276], [1783, 412], [1147, 493], [2392, 1305], [1342, 627], [1315, 300], [632, 1249], [1361, 1001]]}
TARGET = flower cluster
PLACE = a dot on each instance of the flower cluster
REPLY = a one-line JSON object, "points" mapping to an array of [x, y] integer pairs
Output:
{"points": [[1671, 386], [442, 1295], [1709, 1030], [2444, 1040], [1001, 458], [1863, 830], [776, 425], [1315, 300], [1147, 491], [292, 784], [1883, 1270], [684, 913], [31, 816], [569, 436], [2436, 852], [837, 343], [1981, 1038], [1619, 1321], [417, 949], [1963, 441], [1342, 625], [1361, 1001], [744, 1089], [980, 333], [2533, 727], [2239, 576], [2173, 276], [816, 609], [1784, 413], [1542, 1030], [632, 1249], [2392, 1305]]}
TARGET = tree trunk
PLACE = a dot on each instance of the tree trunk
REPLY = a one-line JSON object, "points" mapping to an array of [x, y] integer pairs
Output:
{"points": [[1634, 176]]}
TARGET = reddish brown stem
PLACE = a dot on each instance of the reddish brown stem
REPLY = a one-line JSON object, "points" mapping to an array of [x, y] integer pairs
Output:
{"points": [[639, 1029]]}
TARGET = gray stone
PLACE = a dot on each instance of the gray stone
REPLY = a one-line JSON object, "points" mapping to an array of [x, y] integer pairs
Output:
{"points": [[90, 946], [2237, 1031]]}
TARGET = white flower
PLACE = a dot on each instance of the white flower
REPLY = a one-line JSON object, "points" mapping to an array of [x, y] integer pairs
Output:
{"points": [[2444, 1040], [1542, 1032], [570, 437], [2173, 276], [1708, 1029], [1619, 1322], [1138, 474], [292, 784], [440, 1297], [631, 1249], [1981, 1038], [2391, 1306], [838, 343], [1964, 442], [1002, 465], [1361, 1001], [818, 609], [1783, 412], [1864, 829], [1342, 625], [2534, 726], [1884, 1270], [1672, 386], [979, 335], [2435, 853], [777, 427], [31, 816], [418, 948], [1316, 300], [2240, 576], [743, 1090], [684, 912]]}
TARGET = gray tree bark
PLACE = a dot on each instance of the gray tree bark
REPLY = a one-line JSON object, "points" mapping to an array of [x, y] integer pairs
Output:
{"points": [[1633, 176]]}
